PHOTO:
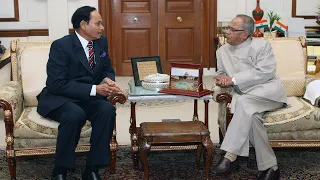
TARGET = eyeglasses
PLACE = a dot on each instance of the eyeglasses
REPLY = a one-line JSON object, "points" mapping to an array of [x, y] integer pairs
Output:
{"points": [[232, 30]]}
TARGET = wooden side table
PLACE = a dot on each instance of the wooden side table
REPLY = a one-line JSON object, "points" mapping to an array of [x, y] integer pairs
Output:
{"points": [[175, 133], [138, 94]]}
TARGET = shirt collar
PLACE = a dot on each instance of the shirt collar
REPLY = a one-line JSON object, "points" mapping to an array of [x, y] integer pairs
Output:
{"points": [[83, 41], [245, 43]]}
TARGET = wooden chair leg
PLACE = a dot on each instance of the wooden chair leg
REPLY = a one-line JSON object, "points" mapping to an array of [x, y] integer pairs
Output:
{"points": [[12, 167], [113, 162], [209, 148], [198, 156], [113, 152], [144, 148]]}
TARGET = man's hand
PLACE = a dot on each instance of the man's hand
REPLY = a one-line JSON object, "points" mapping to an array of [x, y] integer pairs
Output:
{"points": [[223, 81], [108, 87]]}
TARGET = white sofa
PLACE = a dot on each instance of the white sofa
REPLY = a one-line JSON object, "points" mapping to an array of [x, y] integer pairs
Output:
{"points": [[27, 133]]}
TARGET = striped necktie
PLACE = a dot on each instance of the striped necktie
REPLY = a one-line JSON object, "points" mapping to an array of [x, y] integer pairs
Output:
{"points": [[91, 55]]}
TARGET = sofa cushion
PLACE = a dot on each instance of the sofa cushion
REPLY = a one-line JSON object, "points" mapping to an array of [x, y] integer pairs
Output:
{"points": [[33, 59], [292, 76], [298, 116], [31, 125]]}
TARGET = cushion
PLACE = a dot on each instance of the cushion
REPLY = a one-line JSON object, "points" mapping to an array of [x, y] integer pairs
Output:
{"points": [[31, 125], [296, 109], [290, 65], [34, 59]]}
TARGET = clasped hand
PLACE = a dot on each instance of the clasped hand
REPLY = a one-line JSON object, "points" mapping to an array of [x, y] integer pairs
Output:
{"points": [[223, 81], [108, 87]]}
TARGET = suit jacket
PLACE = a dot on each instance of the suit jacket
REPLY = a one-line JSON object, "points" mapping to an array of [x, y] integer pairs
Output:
{"points": [[253, 65], [70, 78]]}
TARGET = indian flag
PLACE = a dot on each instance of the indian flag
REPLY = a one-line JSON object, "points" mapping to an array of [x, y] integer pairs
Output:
{"points": [[280, 27], [261, 24]]}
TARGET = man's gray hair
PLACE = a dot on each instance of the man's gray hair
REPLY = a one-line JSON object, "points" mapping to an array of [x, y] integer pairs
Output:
{"points": [[248, 22]]}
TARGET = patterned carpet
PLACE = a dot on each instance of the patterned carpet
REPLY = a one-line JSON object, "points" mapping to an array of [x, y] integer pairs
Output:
{"points": [[293, 163]]}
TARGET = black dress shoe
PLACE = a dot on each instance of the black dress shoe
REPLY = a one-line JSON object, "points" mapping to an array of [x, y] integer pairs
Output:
{"points": [[269, 174], [91, 176], [59, 177], [225, 166]]}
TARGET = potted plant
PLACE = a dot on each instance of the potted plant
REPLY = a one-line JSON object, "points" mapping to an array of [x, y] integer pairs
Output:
{"points": [[272, 18]]}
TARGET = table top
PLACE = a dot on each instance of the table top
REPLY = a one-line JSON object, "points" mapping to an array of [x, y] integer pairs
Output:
{"points": [[138, 93]]}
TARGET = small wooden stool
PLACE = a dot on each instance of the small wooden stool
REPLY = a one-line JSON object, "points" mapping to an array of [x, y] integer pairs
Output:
{"points": [[175, 133]]}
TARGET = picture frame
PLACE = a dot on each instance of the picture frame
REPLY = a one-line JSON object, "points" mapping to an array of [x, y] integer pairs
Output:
{"points": [[186, 79], [305, 11], [10, 12], [143, 66]]}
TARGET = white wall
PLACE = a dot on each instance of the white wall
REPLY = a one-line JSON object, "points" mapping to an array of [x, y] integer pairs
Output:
{"points": [[48, 14], [282, 7], [34, 14]]}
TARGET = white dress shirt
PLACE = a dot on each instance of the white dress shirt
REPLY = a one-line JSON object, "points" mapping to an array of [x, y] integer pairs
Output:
{"points": [[84, 44]]}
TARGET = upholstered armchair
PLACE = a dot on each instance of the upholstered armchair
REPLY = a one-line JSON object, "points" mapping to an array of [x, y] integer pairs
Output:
{"points": [[297, 125], [27, 133]]}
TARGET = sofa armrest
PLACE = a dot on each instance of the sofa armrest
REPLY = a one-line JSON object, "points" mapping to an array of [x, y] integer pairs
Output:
{"points": [[219, 91], [310, 78], [117, 98], [11, 100], [223, 98], [12, 105]]}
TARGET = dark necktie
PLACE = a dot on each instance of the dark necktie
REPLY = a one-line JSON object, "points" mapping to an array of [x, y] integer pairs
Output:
{"points": [[91, 55]]}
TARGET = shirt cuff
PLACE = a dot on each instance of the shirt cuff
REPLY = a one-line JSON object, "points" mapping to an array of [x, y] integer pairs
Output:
{"points": [[234, 81], [93, 90]]}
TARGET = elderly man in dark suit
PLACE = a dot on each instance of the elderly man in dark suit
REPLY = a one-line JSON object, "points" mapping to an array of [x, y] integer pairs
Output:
{"points": [[80, 77]]}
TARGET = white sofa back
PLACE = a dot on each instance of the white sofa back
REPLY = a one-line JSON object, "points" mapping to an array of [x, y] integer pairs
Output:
{"points": [[291, 59], [29, 68]]}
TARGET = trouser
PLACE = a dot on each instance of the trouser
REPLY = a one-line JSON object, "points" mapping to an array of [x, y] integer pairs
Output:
{"points": [[247, 126], [72, 116]]}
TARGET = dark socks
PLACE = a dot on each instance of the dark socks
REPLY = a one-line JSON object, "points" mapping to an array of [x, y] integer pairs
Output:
{"points": [[59, 170], [91, 169]]}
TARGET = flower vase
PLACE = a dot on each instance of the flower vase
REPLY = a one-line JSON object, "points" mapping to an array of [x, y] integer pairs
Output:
{"points": [[257, 14]]}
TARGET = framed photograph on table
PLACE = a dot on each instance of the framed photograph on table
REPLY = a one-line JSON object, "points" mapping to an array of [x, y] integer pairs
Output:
{"points": [[186, 79], [144, 66]]}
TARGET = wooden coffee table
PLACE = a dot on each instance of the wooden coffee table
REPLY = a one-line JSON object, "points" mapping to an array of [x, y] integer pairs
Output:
{"points": [[175, 134]]}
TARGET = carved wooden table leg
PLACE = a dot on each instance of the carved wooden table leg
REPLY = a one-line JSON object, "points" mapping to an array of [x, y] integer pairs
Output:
{"points": [[198, 156], [144, 148], [134, 136], [207, 143], [195, 110], [206, 113]]}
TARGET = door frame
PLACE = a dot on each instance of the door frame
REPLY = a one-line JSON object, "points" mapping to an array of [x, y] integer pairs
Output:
{"points": [[105, 8]]}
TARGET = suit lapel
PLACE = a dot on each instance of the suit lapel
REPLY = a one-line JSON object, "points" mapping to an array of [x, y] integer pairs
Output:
{"points": [[78, 50], [96, 46]]}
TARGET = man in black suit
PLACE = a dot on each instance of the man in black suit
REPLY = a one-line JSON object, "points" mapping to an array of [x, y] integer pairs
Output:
{"points": [[80, 77]]}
